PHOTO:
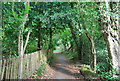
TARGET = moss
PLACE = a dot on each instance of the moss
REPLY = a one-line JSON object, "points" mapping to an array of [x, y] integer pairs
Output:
{"points": [[88, 72]]}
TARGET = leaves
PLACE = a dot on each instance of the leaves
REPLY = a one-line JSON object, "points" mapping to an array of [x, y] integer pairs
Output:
{"points": [[57, 16]]}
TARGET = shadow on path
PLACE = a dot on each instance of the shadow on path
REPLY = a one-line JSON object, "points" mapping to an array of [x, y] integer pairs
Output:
{"points": [[61, 68]]}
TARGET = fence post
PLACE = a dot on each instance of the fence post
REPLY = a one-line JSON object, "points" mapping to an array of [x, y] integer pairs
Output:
{"points": [[2, 69], [9, 68]]}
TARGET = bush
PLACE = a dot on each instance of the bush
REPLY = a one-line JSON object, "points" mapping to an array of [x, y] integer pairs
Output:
{"points": [[102, 67], [108, 76], [88, 73], [32, 47], [51, 59], [40, 72], [71, 55]]}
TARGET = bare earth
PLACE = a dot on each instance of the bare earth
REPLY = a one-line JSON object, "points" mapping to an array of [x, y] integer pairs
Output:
{"points": [[63, 69]]}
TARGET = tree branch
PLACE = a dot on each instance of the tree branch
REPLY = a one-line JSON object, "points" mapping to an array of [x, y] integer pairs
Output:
{"points": [[28, 35]]}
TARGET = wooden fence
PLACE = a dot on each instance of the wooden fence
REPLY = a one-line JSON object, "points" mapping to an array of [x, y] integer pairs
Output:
{"points": [[9, 68]]}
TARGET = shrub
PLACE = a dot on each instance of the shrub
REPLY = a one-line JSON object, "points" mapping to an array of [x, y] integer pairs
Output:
{"points": [[51, 59], [102, 66], [88, 73], [40, 71], [108, 76], [71, 55]]}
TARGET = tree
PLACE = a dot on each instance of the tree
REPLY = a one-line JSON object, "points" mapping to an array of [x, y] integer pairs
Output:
{"points": [[21, 46], [110, 26], [88, 36]]}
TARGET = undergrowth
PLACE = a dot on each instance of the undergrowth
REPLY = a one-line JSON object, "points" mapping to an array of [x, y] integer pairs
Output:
{"points": [[52, 59], [40, 72], [71, 56]]}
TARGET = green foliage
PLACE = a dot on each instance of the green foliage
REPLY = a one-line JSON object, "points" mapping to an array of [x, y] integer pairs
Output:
{"points": [[32, 47], [40, 72], [66, 22], [65, 37], [103, 66], [103, 61], [108, 76], [86, 51], [71, 56], [88, 72], [12, 24], [52, 59]]}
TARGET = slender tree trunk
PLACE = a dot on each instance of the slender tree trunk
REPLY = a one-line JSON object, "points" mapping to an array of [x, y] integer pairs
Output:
{"points": [[75, 40], [93, 50], [82, 51], [39, 37], [90, 38], [26, 41], [13, 6], [92, 45], [20, 44], [21, 58], [74, 36], [50, 44]]}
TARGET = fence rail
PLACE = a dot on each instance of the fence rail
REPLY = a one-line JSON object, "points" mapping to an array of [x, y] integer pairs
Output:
{"points": [[9, 68]]}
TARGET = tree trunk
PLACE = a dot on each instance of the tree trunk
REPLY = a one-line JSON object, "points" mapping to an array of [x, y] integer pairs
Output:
{"points": [[50, 44], [13, 6], [111, 36], [21, 58], [113, 39], [89, 37], [102, 25], [26, 41], [93, 51], [92, 45], [75, 40], [39, 37], [20, 44]]}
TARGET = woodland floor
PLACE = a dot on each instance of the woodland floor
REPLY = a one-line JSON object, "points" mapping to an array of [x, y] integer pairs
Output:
{"points": [[64, 69]]}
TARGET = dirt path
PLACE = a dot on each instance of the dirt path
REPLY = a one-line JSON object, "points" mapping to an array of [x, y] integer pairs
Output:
{"points": [[61, 68]]}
